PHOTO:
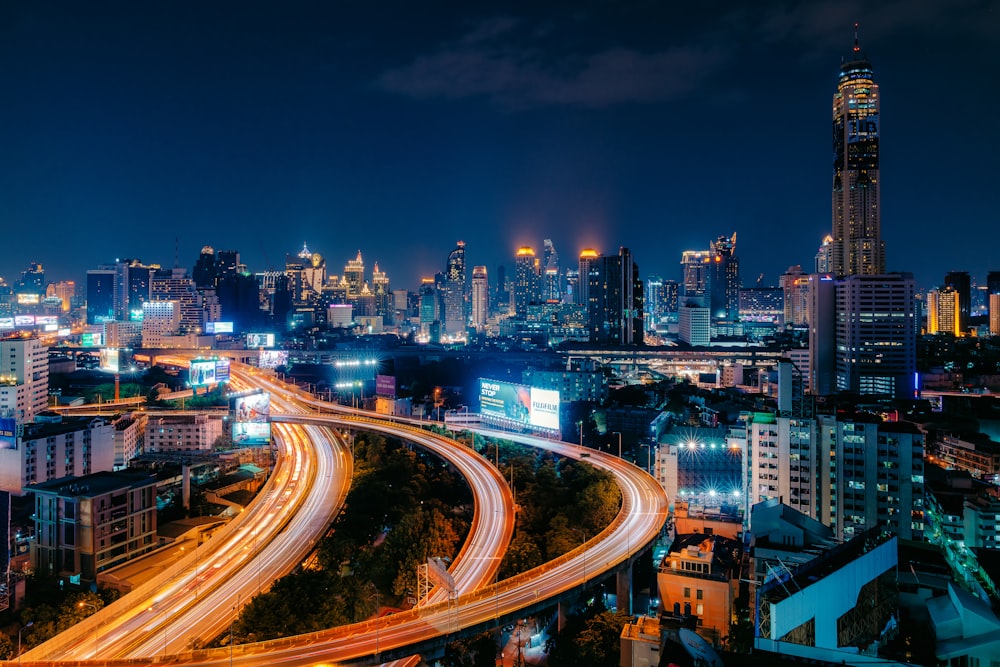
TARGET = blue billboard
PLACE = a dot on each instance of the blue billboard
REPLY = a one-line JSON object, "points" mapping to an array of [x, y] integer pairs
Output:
{"points": [[524, 405], [8, 433]]}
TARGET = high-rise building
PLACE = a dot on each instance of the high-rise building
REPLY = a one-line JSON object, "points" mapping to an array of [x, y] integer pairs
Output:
{"points": [[383, 294], [795, 287], [943, 311], [65, 291], [822, 259], [24, 378], [724, 279], [100, 295], [694, 325], [862, 335], [174, 285], [551, 275], [453, 289], [587, 258], [994, 314], [526, 280], [695, 277], [480, 297], [354, 274], [653, 301], [205, 272], [614, 312], [132, 287], [857, 248], [962, 284]]}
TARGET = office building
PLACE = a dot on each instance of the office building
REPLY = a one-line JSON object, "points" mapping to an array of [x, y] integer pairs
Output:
{"points": [[862, 335], [194, 308], [480, 297], [100, 295], [821, 263], [961, 283], [382, 293], [55, 448], [587, 258], [160, 321], [453, 289], [724, 279], [795, 289], [87, 524], [182, 433], [614, 312], [65, 291], [943, 311], [551, 274], [857, 247], [24, 378], [527, 281], [694, 325], [695, 278]]}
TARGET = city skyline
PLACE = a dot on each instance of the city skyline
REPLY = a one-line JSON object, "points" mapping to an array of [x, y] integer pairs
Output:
{"points": [[257, 129]]}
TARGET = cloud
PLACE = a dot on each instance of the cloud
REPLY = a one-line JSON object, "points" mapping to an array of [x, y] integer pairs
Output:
{"points": [[498, 61]]}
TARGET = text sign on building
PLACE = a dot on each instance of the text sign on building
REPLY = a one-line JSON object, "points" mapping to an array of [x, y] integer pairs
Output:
{"points": [[201, 372], [8, 433], [504, 400], [251, 419], [260, 340], [385, 385], [545, 408], [222, 370]]}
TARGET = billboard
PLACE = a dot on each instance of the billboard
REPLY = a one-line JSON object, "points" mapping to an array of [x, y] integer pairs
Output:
{"points": [[92, 339], [46, 319], [8, 433], [272, 358], [109, 359], [545, 408], [251, 419], [29, 299], [218, 327], [252, 408], [6, 322], [24, 320], [385, 385], [528, 406], [260, 340], [222, 370], [201, 372]]}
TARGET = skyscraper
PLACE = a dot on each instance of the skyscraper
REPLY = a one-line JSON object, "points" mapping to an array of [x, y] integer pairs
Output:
{"points": [[526, 280], [614, 312], [480, 297], [551, 275], [453, 290], [587, 258], [695, 276], [857, 247], [724, 279], [962, 284]]}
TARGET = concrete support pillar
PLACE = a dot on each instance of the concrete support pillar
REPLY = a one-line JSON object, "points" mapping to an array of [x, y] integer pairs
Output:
{"points": [[186, 486], [560, 616], [623, 581]]}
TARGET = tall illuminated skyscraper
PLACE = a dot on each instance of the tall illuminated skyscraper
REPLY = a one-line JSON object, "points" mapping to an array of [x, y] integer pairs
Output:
{"points": [[480, 297], [724, 279], [526, 280], [588, 256], [453, 290], [857, 247]]}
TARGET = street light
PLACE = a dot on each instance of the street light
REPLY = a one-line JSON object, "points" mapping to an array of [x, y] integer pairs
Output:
{"points": [[619, 434], [93, 606], [649, 455], [377, 606], [583, 534], [23, 628]]}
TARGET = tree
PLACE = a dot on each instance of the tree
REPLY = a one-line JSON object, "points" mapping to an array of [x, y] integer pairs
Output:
{"points": [[592, 641]]}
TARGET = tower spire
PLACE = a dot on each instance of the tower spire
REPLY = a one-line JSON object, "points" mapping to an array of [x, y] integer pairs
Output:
{"points": [[857, 41]]}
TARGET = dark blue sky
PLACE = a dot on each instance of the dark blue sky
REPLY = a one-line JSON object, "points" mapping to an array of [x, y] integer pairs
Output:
{"points": [[398, 128]]}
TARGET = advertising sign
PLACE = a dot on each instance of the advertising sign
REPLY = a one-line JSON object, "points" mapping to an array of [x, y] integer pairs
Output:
{"points": [[222, 370], [252, 408], [385, 385], [29, 299], [8, 433], [92, 339], [6, 322], [218, 327], [251, 433], [545, 408], [272, 358], [201, 372], [46, 319], [109, 359], [24, 320], [260, 340], [504, 401]]}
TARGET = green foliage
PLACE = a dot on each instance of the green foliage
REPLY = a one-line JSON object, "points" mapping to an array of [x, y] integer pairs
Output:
{"points": [[52, 609], [8, 646], [560, 501], [403, 507], [478, 651], [591, 639]]}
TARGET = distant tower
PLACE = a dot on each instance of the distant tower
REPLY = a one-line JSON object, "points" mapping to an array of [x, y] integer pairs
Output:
{"points": [[354, 275], [823, 255], [551, 275], [480, 297], [526, 280], [724, 279], [695, 276], [857, 248], [962, 284], [453, 290], [587, 258], [614, 312]]}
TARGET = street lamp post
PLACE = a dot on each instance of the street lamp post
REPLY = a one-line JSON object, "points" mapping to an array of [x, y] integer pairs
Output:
{"points": [[649, 455], [583, 534], [619, 434], [93, 606], [377, 606], [23, 628]]}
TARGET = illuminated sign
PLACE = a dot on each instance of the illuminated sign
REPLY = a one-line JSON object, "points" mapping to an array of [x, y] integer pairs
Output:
{"points": [[29, 299], [24, 320], [6, 322], [272, 358], [385, 385], [222, 370], [545, 408], [50, 327], [260, 340], [8, 433], [64, 332], [109, 359], [92, 339], [201, 372], [46, 319], [251, 433], [218, 327]]}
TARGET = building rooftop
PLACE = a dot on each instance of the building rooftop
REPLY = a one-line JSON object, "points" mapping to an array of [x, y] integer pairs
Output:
{"points": [[94, 484], [39, 430]]}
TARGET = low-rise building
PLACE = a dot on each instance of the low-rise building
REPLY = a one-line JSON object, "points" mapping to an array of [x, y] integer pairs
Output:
{"points": [[85, 525], [55, 447], [182, 432]]}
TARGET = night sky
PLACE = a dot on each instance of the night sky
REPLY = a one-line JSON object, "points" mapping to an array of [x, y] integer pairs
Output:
{"points": [[398, 128]]}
